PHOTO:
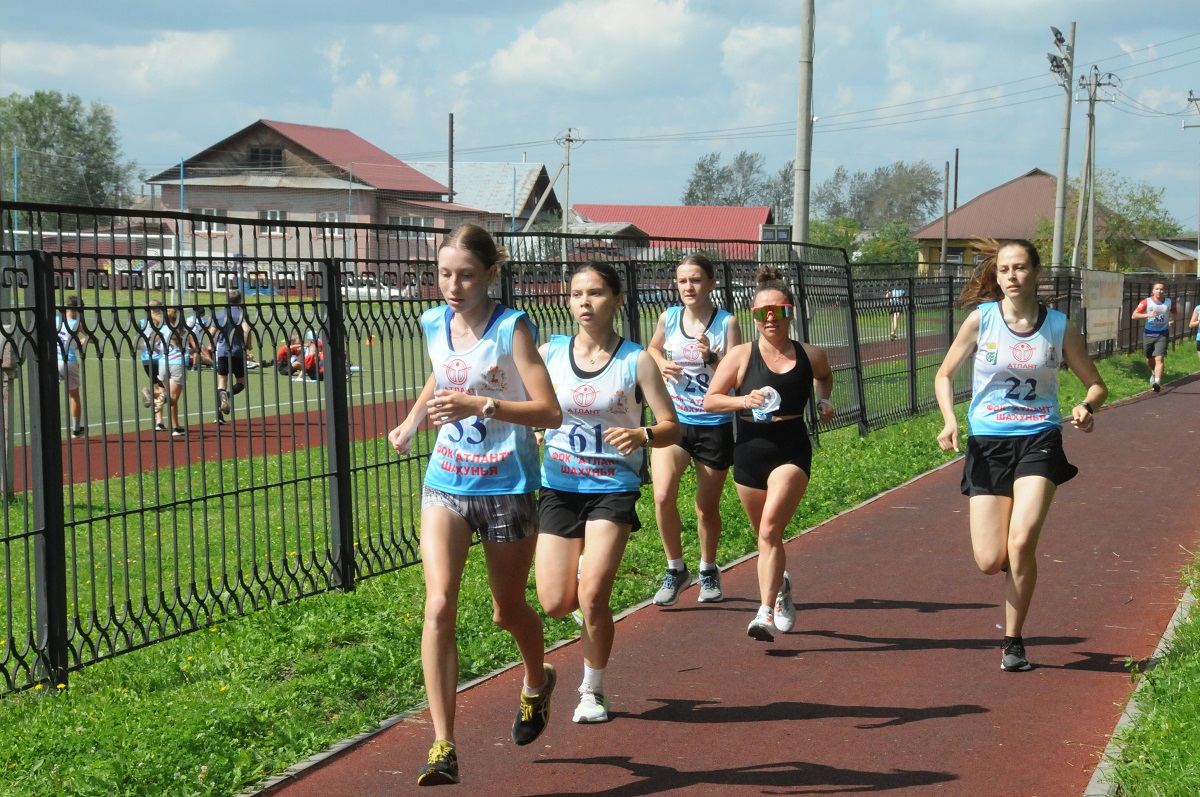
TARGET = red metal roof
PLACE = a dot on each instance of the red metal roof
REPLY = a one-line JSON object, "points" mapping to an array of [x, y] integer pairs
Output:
{"points": [[358, 156], [704, 222], [1007, 211]]}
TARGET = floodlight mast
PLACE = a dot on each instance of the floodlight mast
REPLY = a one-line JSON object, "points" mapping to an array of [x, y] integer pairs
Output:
{"points": [[1063, 67]]}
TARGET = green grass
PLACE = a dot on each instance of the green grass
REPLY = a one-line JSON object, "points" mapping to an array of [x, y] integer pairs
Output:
{"points": [[215, 711], [1158, 753]]}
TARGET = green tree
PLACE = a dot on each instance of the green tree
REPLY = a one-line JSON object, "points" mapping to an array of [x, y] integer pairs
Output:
{"points": [[1126, 211], [840, 232], [742, 182], [899, 192], [889, 243], [66, 152]]}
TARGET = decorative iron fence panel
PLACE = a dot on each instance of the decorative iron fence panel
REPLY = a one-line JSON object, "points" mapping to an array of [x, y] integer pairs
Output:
{"points": [[118, 534]]}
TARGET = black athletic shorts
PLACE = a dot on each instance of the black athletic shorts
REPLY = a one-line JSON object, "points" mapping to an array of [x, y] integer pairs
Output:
{"points": [[564, 514], [763, 447], [994, 463], [232, 364], [711, 445], [151, 368]]}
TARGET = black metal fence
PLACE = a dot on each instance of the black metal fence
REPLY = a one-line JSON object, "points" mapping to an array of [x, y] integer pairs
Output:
{"points": [[132, 519]]}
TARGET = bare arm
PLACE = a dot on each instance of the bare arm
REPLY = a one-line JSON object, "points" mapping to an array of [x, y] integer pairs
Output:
{"points": [[1076, 356], [539, 410], [730, 372], [657, 349], [822, 381], [943, 384], [401, 436], [666, 423], [1195, 322]]}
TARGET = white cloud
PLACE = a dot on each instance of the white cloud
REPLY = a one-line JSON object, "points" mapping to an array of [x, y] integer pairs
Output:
{"points": [[581, 45], [335, 54], [172, 61], [760, 61]]}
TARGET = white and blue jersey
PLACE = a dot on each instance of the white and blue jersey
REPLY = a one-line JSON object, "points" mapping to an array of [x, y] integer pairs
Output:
{"points": [[1159, 322], [154, 340], [577, 458], [480, 456], [1015, 385], [68, 343], [692, 386]]}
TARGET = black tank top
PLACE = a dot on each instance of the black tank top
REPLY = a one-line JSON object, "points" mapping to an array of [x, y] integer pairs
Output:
{"points": [[795, 386]]}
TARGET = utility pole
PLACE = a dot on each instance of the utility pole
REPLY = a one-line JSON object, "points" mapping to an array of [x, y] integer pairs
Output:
{"points": [[1092, 84], [1063, 68], [1194, 100], [802, 171], [569, 136]]}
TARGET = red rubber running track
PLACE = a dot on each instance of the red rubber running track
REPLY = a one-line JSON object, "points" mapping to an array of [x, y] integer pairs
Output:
{"points": [[891, 681]]}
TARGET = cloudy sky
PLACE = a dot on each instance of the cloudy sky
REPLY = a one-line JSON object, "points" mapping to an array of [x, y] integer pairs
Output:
{"points": [[651, 85]]}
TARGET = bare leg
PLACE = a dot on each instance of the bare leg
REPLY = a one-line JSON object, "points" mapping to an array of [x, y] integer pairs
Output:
{"points": [[770, 511], [710, 484], [508, 566], [668, 465], [601, 558], [445, 542]]}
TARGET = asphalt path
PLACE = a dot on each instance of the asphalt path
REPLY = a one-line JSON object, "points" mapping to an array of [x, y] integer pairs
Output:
{"points": [[891, 680]]}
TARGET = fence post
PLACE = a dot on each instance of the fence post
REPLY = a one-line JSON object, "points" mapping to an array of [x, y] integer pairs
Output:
{"points": [[49, 513], [633, 325], [860, 391], [910, 323], [727, 271], [337, 430]]}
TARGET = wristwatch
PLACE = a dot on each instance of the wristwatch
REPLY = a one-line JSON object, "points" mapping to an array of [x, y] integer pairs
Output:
{"points": [[649, 434], [490, 407]]}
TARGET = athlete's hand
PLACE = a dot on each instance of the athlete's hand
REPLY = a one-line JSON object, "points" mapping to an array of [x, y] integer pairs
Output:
{"points": [[401, 439], [625, 440], [671, 371], [1081, 419], [754, 399], [448, 406], [702, 346], [948, 437], [825, 411]]}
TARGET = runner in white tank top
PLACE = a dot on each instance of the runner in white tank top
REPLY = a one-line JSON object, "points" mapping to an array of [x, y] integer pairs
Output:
{"points": [[468, 262], [1011, 477], [688, 344]]}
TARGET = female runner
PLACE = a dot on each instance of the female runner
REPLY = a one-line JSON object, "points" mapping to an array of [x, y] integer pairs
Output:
{"points": [[688, 343], [774, 377], [488, 388], [1015, 458]]}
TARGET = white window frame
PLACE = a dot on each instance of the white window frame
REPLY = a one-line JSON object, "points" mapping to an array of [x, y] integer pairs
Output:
{"points": [[332, 218], [210, 226], [272, 215], [412, 221]]}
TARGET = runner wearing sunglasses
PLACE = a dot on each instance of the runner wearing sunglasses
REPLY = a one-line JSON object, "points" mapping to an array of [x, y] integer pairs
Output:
{"points": [[772, 380]]}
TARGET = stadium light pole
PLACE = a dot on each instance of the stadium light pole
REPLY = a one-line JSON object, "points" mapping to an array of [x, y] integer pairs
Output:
{"points": [[1063, 68]]}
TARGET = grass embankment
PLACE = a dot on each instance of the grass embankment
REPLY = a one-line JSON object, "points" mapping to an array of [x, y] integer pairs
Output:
{"points": [[216, 711]]}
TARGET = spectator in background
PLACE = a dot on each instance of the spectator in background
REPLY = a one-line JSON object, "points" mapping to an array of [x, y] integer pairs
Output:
{"points": [[234, 342], [152, 344], [197, 324], [72, 337], [1195, 324], [896, 303], [314, 360], [1158, 313], [289, 358], [180, 353]]}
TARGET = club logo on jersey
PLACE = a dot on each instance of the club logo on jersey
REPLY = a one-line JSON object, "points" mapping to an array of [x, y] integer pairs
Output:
{"points": [[584, 395], [1022, 352], [457, 371], [494, 379], [989, 349], [691, 353], [619, 403]]}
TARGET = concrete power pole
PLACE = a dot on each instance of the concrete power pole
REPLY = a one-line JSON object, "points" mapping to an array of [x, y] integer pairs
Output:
{"points": [[1092, 84], [1063, 68], [802, 173]]}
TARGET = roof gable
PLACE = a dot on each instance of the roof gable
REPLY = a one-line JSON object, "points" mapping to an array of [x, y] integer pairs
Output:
{"points": [[348, 154], [1011, 210], [703, 222], [495, 187]]}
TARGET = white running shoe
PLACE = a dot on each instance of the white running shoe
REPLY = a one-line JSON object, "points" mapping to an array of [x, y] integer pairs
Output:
{"points": [[785, 609], [762, 627], [593, 706]]}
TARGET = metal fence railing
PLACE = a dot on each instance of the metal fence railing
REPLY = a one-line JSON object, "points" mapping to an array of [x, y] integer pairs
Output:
{"points": [[124, 534]]}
